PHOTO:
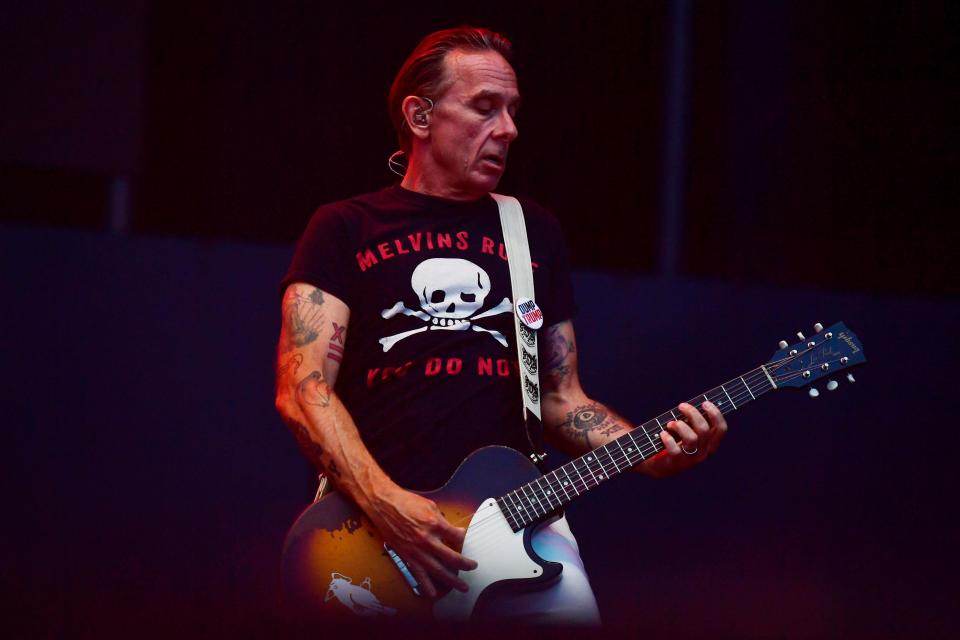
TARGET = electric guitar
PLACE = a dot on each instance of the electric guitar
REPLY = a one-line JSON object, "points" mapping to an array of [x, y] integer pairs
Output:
{"points": [[335, 564]]}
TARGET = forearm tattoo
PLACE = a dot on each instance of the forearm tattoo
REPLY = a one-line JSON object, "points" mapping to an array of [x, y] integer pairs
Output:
{"points": [[303, 317], [590, 419], [557, 349], [311, 449]]}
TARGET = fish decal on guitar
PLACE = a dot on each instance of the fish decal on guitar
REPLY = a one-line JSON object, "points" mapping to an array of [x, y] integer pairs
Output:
{"points": [[358, 598]]}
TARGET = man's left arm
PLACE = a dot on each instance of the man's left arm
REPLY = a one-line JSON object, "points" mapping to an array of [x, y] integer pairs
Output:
{"points": [[576, 423]]}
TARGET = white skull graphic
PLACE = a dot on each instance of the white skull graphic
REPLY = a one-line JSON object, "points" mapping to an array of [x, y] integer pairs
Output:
{"points": [[450, 287]]}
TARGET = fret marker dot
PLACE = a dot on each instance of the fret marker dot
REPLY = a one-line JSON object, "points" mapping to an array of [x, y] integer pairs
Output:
{"points": [[589, 457], [565, 483]]}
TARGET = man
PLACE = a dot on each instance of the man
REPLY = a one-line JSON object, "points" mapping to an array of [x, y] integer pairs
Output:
{"points": [[401, 288]]}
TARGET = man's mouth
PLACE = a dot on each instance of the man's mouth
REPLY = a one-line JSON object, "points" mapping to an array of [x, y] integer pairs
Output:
{"points": [[494, 159]]}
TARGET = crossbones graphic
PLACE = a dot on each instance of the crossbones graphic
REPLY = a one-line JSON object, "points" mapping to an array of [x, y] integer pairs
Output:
{"points": [[451, 291]]}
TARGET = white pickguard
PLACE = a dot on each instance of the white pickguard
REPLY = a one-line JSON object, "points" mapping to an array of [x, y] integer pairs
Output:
{"points": [[500, 555]]}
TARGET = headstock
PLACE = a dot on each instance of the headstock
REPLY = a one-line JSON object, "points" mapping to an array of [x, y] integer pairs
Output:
{"points": [[822, 355]]}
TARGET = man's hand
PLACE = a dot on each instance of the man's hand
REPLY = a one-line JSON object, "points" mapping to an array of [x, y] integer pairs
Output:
{"points": [[699, 438], [414, 527]]}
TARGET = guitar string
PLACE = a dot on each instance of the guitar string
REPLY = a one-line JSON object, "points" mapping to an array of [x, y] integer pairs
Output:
{"points": [[477, 525], [644, 453]]}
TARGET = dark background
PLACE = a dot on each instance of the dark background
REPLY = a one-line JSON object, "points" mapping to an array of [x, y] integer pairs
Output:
{"points": [[726, 173]]}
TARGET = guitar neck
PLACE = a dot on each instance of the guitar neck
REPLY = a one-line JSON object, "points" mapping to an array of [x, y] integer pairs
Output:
{"points": [[537, 499]]}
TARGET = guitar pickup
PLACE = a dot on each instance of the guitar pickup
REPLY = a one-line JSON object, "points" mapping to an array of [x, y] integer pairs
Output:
{"points": [[402, 567]]}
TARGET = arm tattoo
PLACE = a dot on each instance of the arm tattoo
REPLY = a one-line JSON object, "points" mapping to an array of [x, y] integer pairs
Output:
{"points": [[313, 451], [335, 348], [314, 390], [587, 419], [303, 317], [557, 349], [291, 365]]}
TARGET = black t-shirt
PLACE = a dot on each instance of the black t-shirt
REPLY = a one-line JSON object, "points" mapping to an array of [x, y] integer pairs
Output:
{"points": [[429, 371]]}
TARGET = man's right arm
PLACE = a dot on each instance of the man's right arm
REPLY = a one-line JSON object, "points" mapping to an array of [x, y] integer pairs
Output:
{"points": [[411, 524]]}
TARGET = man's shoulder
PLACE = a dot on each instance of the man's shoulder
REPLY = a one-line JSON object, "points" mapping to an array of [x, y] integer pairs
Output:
{"points": [[358, 204], [536, 214]]}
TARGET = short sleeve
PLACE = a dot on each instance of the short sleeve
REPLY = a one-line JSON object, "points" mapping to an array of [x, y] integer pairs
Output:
{"points": [[554, 293], [321, 257]]}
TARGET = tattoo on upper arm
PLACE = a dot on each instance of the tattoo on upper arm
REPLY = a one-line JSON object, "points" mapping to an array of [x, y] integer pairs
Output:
{"points": [[587, 419], [557, 348], [292, 365], [303, 317], [314, 390], [335, 348]]}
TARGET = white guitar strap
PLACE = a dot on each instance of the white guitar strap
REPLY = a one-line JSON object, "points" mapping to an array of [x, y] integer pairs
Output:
{"points": [[521, 282]]}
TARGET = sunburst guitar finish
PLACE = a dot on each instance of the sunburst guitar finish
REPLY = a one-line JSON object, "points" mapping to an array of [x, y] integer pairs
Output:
{"points": [[335, 564]]}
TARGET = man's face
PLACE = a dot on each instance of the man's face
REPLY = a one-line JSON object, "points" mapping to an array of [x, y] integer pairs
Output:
{"points": [[471, 126]]}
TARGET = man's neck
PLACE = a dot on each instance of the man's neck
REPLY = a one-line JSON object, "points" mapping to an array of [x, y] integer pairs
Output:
{"points": [[417, 180]]}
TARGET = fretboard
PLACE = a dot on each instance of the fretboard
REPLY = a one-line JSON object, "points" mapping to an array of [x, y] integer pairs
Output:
{"points": [[536, 500]]}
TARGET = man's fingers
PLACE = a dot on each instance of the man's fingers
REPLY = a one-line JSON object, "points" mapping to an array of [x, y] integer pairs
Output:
{"points": [[670, 443], [718, 426], [422, 578], [453, 537], [694, 418], [687, 435], [451, 558], [439, 571]]}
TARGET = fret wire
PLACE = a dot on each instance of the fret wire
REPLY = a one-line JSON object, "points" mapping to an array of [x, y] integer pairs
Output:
{"points": [[587, 465], [559, 483], [604, 473], [748, 388], [516, 511], [523, 511], [615, 465], [504, 510], [585, 486], [536, 502], [626, 457], [728, 397], [547, 493]]}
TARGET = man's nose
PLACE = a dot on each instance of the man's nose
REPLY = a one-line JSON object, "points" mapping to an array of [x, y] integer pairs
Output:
{"points": [[506, 127]]}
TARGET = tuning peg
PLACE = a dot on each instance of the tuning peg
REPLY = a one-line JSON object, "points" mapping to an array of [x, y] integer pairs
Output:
{"points": [[783, 344], [813, 392], [851, 378], [800, 335], [832, 385], [818, 327]]}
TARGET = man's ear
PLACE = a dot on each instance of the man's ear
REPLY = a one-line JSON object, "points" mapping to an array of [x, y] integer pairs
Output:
{"points": [[416, 111]]}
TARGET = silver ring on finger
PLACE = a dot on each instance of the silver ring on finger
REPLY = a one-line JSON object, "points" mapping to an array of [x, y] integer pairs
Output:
{"points": [[689, 453]]}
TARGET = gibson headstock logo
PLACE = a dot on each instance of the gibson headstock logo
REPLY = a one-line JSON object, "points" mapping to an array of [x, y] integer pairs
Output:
{"points": [[850, 343]]}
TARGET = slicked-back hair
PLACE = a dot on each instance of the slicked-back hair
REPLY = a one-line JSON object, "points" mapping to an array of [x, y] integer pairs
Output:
{"points": [[423, 72]]}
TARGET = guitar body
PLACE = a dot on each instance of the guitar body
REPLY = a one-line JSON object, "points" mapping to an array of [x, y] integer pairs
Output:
{"points": [[335, 564]]}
